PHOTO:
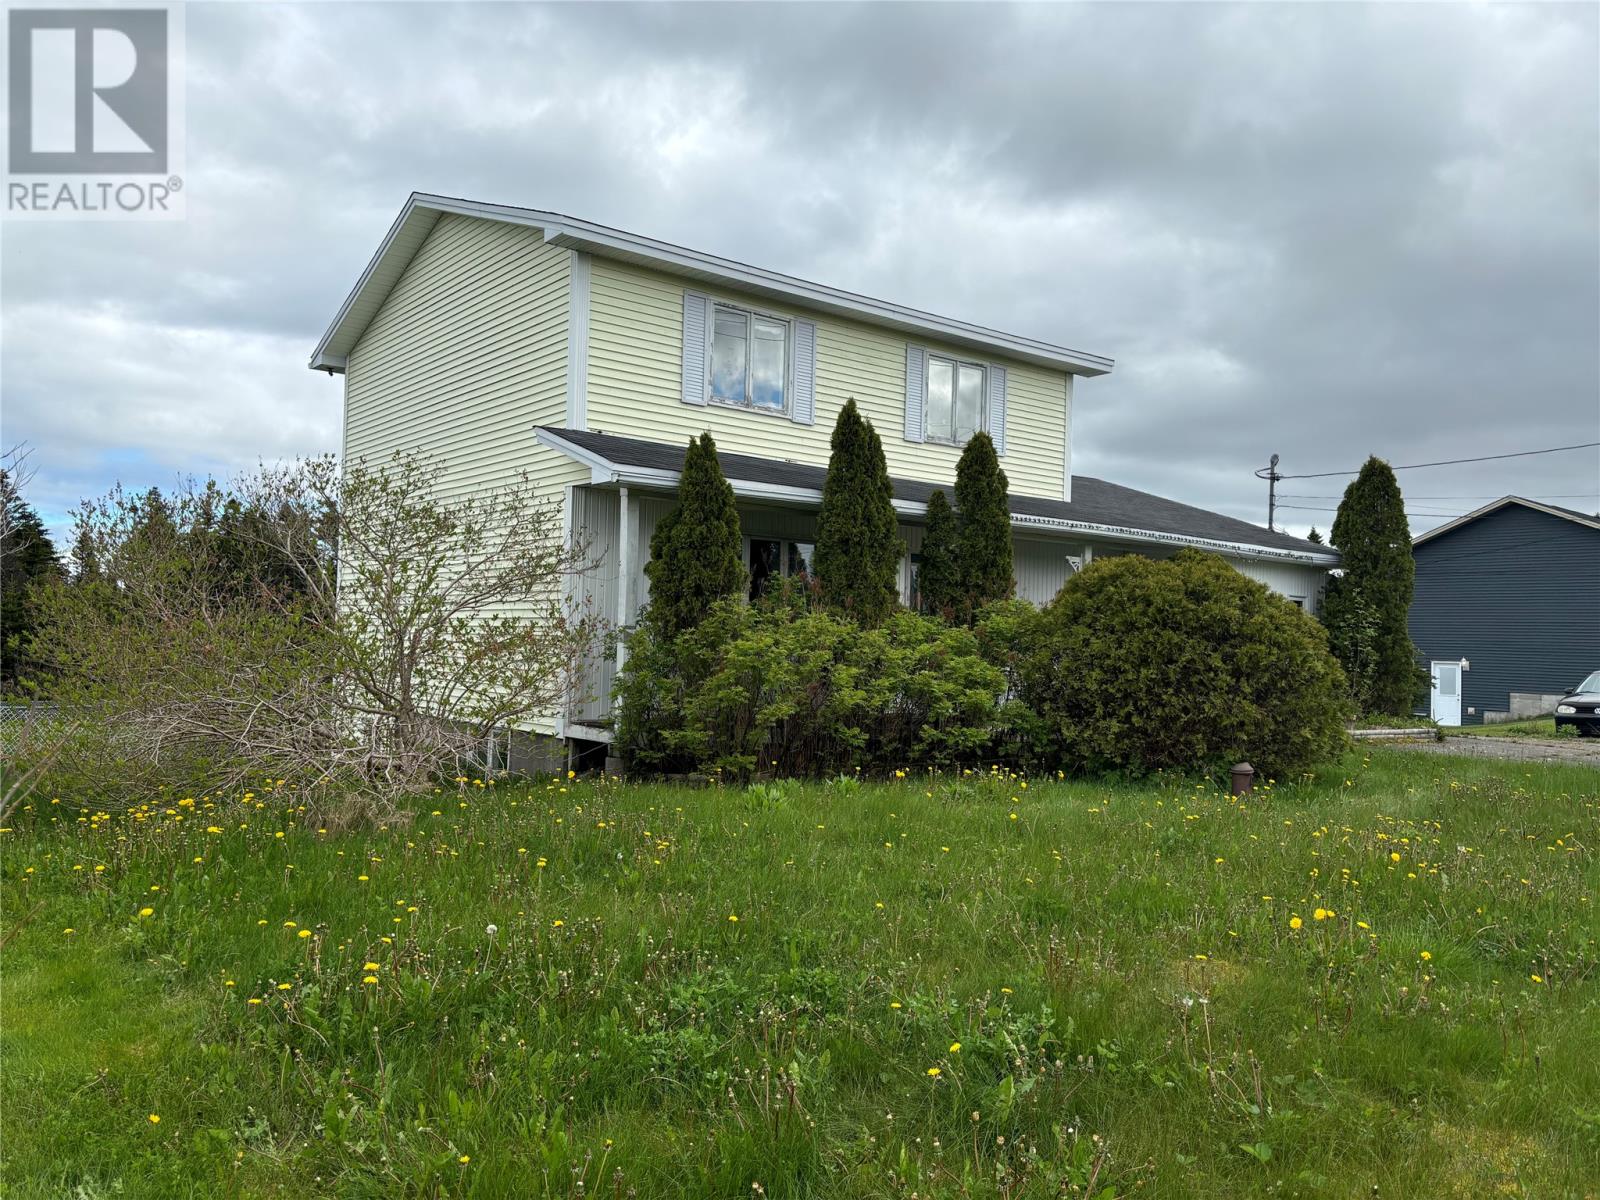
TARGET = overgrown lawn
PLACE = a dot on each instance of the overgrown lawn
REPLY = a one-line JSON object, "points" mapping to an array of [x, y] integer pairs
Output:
{"points": [[1380, 981]]}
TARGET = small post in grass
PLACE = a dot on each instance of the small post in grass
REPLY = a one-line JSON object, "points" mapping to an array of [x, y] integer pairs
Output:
{"points": [[1244, 778]]}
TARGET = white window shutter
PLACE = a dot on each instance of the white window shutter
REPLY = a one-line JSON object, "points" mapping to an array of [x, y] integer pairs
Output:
{"points": [[803, 405], [696, 345], [997, 408], [916, 391]]}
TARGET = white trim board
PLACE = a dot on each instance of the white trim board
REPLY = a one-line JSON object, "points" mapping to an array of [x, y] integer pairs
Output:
{"points": [[578, 341]]}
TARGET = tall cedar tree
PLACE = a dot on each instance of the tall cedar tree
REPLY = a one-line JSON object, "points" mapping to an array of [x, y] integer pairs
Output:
{"points": [[696, 552], [939, 576], [858, 541], [27, 556], [984, 556], [1374, 540], [1314, 536]]}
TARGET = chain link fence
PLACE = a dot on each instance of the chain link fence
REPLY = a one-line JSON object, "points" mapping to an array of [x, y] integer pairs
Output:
{"points": [[22, 723]]}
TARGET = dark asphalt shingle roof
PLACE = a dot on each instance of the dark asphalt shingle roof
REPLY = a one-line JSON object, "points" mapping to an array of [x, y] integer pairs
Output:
{"points": [[1094, 501]]}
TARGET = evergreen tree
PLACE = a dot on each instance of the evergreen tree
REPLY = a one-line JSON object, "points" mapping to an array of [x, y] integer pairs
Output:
{"points": [[939, 576], [985, 546], [27, 557], [1314, 536], [85, 559], [696, 552], [1373, 595], [858, 538]]}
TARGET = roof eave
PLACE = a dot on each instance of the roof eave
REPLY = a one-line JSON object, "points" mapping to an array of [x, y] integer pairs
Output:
{"points": [[604, 471], [1495, 506], [571, 232]]}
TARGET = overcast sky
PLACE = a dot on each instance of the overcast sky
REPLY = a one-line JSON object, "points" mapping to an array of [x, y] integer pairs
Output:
{"points": [[1321, 230]]}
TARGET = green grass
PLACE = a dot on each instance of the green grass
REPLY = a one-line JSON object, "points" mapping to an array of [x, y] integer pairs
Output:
{"points": [[1544, 727], [1135, 1014]]}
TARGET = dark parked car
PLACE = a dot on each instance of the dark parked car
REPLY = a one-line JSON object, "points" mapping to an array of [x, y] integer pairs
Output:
{"points": [[1581, 707]]}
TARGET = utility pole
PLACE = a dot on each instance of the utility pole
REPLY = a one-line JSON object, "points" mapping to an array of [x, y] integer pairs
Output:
{"points": [[1270, 474]]}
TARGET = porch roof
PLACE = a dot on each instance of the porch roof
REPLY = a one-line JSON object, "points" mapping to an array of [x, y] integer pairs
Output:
{"points": [[1097, 508]]}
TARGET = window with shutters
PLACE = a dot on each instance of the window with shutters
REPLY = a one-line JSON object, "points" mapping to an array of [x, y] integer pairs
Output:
{"points": [[749, 365], [955, 400]]}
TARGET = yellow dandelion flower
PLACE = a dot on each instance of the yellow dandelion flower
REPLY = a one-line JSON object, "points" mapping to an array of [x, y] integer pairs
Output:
{"points": [[464, 1159], [1537, 978], [1321, 914], [1295, 922], [304, 933], [146, 912], [934, 1072], [369, 979], [1426, 956], [955, 1047], [371, 966], [284, 987], [154, 1119]]}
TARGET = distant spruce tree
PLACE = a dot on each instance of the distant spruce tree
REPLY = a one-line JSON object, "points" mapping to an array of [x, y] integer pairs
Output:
{"points": [[85, 559], [1314, 536], [27, 558], [1366, 613], [858, 538], [984, 556], [939, 576], [697, 551]]}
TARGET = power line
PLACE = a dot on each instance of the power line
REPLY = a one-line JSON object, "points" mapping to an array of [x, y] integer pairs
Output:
{"points": [[1484, 496], [1416, 512], [1450, 462]]}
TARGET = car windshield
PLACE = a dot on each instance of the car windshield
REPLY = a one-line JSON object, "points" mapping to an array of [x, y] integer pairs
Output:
{"points": [[1591, 684]]}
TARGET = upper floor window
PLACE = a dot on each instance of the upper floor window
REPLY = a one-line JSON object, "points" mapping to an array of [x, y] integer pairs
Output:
{"points": [[749, 359], [955, 399]]}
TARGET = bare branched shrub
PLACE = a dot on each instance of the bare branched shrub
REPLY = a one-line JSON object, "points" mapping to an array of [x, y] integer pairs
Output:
{"points": [[357, 631]]}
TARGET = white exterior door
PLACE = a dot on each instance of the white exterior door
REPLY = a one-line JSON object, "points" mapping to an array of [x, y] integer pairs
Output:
{"points": [[1447, 693]]}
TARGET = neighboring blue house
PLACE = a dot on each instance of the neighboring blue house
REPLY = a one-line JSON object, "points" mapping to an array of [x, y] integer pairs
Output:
{"points": [[1506, 615]]}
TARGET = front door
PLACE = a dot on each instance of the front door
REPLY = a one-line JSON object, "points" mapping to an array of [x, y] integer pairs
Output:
{"points": [[1447, 693]]}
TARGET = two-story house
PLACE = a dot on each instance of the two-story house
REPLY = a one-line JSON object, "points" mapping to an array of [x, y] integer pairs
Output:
{"points": [[504, 340]]}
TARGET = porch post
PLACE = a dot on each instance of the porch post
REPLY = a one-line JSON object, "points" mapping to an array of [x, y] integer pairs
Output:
{"points": [[626, 530]]}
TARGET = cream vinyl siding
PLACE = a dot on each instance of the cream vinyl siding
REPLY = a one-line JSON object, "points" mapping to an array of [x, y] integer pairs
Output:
{"points": [[467, 354], [636, 381], [1287, 579]]}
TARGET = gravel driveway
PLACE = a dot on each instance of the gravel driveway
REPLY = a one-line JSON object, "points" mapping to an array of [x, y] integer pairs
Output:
{"points": [[1583, 751]]}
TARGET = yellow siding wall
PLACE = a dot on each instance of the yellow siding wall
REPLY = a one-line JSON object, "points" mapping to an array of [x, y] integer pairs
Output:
{"points": [[467, 354], [636, 376]]}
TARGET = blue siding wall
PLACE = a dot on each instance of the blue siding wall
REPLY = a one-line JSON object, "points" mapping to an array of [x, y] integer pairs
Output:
{"points": [[1517, 593]]}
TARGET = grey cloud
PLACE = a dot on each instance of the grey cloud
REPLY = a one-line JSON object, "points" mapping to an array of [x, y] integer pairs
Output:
{"points": [[1322, 230]]}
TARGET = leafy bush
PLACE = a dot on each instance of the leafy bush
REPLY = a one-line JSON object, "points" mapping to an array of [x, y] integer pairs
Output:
{"points": [[1183, 664], [775, 689], [1006, 631], [217, 643]]}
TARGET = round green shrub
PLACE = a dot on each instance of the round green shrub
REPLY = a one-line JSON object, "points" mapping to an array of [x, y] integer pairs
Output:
{"points": [[1184, 664]]}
